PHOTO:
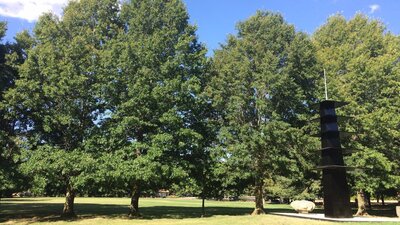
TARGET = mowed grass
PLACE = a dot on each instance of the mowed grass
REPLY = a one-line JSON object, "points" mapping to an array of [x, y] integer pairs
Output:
{"points": [[154, 211]]}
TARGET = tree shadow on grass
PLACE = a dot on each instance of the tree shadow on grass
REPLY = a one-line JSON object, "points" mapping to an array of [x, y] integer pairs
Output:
{"points": [[176, 212], [21, 199], [288, 210], [50, 212], [388, 210]]}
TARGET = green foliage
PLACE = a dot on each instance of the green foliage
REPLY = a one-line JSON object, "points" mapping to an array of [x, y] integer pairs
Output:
{"points": [[11, 55], [282, 187], [265, 81], [154, 120], [57, 98], [49, 165]]}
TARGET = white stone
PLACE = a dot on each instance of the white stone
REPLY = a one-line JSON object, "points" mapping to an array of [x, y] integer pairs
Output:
{"points": [[398, 211], [303, 206]]}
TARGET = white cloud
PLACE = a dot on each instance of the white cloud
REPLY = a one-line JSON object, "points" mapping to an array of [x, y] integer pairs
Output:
{"points": [[30, 9], [373, 8]]}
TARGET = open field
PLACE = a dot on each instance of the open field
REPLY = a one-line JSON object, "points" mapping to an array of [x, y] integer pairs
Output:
{"points": [[155, 212]]}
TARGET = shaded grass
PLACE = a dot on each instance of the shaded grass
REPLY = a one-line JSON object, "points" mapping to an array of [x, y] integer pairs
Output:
{"points": [[388, 210], [50, 208], [154, 211]]}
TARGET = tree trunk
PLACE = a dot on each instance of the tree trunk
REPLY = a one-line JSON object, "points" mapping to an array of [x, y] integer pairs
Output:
{"points": [[203, 183], [362, 209], [68, 210], [203, 210], [368, 196], [134, 206], [259, 198], [383, 199]]}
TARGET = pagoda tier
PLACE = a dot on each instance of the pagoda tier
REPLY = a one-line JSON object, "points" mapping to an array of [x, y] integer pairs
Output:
{"points": [[344, 151]]}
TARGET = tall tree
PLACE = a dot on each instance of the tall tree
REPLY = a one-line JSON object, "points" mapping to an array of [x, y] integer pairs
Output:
{"points": [[7, 78], [58, 97], [203, 179], [362, 63], [155, 80], [265, 81], [11, 55]]}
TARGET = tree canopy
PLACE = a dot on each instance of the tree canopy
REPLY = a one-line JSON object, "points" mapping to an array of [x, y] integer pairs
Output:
{"points": [[264, 82], [57, 98]]}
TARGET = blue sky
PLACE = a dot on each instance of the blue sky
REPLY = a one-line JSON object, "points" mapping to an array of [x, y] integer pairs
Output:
{"points": [[216, 19]]}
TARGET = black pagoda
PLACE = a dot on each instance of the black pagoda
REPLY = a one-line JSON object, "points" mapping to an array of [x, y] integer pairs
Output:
{"points": [[334, 182]]}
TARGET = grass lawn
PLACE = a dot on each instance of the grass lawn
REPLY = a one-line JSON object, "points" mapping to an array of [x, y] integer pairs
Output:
{"points": [[167, 211]]}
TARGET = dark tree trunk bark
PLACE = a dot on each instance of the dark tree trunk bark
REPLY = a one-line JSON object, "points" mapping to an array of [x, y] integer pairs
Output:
{"points": [[203, 209], [383, 199], [259, 198], [368, 196], [362, 209], [68, 210], [203, 193], [134, 206]]}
